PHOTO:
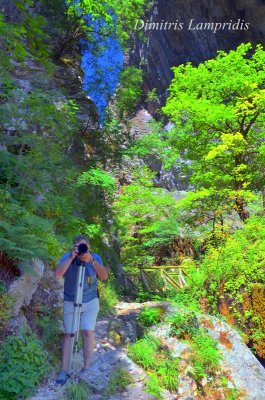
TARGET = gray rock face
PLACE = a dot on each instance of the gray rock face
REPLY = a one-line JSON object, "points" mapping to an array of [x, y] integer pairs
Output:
{"points": [[23, 288], [171, 179], [246, 372], [166, 48]]}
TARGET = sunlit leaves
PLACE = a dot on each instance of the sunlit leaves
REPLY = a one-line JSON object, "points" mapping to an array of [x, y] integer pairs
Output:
{"points": [[218, 114]]}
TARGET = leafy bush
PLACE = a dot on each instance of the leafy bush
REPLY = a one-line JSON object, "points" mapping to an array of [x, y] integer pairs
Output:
{"points": [[144, 295], [48, 326], [144, 351], [130, 90], [152, 95], [108, 296], [167, 370], [163, 369], [184, 297], [23, 364], [5, 312], [184, 323], [150, 316], [118, 381], [205, 356]]}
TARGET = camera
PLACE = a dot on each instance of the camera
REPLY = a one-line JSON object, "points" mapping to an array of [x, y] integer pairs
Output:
{"points": [[82, 249]]}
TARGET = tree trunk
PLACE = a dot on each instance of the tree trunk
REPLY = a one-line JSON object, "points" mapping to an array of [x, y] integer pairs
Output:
{"points": [[240, 209]]}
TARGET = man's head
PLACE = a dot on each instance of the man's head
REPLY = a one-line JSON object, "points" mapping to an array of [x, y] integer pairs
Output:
{"points": [[81, 239]]}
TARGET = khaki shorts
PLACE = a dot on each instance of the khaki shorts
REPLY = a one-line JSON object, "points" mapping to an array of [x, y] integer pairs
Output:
{"points": [[88, 318]]}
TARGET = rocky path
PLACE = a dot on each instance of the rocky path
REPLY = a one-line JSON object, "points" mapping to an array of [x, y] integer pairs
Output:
{"points": [[109, 356], [241, 368]]}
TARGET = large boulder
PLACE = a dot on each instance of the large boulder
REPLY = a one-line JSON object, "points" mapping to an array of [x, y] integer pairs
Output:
{"points": [[23, 288]]}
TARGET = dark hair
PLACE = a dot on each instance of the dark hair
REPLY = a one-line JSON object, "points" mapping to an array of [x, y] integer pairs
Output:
{"points": [[81, 237]]}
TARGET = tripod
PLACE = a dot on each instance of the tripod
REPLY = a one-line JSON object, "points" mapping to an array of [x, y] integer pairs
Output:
{"points": [[76, 317]]}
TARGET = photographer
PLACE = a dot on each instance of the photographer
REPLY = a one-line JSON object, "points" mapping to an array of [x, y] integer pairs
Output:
{"points": [[67, 268]]}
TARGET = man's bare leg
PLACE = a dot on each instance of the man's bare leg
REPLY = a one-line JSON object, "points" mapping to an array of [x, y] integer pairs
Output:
{"points": [[88, 347], [66, 352], [63, 374]]}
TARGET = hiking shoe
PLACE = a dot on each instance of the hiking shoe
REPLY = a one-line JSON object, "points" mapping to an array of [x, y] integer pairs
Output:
{"points": [[84, 371], [62, 378]]}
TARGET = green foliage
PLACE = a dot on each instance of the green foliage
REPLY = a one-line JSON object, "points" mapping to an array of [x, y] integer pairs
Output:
{"points": [[2, 287], [234, 394], [48, 325], [216, 109], [5, 310], [232, 269], [167, 370], [184, 323], [129, 91], [20, 240], [43, 203], [150, 316], [184, 297], [152, 95], [90, 20], [163, 369], [22, 39], [118, 15], [77, 391], [97, 178], [144, 295], [119, 379], [11, 44], [23, 364], [108, 295], [153, 386], [156, 145], [144, 351], [205, 355], [142, 214]]}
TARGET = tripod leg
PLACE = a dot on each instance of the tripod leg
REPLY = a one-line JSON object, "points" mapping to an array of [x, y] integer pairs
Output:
{"points": [[79, 297], [76, 318]]}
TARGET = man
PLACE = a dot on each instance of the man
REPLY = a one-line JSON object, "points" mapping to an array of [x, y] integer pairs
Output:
{"points": [[67, 268]]}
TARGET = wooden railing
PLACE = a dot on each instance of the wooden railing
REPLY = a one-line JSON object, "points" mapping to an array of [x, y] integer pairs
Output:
{"points": [[170, 275]]}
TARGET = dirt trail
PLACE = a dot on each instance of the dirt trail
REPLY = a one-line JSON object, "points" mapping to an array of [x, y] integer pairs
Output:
{"points": [[112, 334]]}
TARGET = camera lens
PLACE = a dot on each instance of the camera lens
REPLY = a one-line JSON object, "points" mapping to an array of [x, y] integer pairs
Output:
{"points": [[82, 249]]}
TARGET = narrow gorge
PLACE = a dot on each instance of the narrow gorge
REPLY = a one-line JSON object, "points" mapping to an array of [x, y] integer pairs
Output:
{"points": [[141, 125]]}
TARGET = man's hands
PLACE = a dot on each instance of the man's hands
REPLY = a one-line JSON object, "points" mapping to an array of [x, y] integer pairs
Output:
{"points": [[86, 257], [74, 253]]}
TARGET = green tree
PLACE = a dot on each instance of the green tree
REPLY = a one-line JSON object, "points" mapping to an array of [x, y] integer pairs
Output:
{"points": [[146, 218], [129, 91], [218, 113], [86, 19]]}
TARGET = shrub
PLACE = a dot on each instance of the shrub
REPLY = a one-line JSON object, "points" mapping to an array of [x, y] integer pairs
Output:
{"points": [[205, 356], [118, 381], [150, 316], [184, 323], [108, 296], [5, 312], [144, 351], [23, 364], [163, 369], [130, 90], [167, 369], [49, 330]]}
